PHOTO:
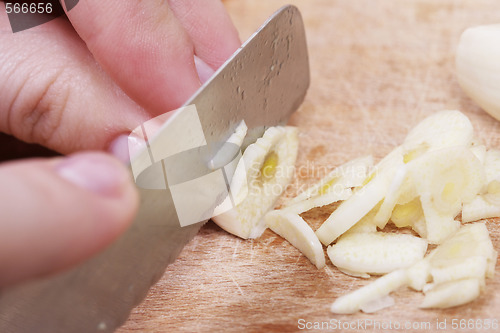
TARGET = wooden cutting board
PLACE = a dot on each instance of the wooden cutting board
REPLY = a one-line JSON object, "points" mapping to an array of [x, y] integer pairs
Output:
{"points": [[377, 68]]}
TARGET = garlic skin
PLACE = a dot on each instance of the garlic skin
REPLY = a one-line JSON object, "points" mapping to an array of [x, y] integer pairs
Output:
{"points": [[478, 66]]}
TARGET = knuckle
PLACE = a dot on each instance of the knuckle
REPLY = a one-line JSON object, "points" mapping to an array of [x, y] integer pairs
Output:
{"points": [[37, 113]]}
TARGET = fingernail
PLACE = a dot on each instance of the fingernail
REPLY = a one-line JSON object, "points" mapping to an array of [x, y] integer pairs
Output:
{"points": [[95, 172], [119, 148], [126, 147], [204, 71]]}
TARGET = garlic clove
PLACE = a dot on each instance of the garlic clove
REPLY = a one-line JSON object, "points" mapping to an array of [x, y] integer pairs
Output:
{"points": [[478, 66]]}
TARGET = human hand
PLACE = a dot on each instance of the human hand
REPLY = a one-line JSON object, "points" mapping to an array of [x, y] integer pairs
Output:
{"points": [[84, 84]]}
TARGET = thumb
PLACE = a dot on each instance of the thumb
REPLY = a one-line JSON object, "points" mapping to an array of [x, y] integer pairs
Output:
{"points": [[55, 213]]}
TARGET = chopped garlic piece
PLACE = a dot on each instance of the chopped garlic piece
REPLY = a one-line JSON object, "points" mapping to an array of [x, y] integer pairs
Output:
{"points": [[469, 241], [444, 180], [438, 225], [319, 201], [366, 223], [378, 304], [492, 165], [295, 230], [376, 252], [276, 150], [377, 289], [443, 129], [492, 171], [452, 293], [471, 267], [350, 174], [479, 209], [353, 209], [387, 206], [451, 176], [335, 186]]}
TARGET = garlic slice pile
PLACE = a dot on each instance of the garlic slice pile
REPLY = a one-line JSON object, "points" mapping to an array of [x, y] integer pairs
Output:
{"points": [[423, 182], [452, 274], [438, 172]]}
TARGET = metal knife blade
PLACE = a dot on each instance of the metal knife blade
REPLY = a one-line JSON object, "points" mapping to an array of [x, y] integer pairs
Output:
{"points": [[263, 83]]}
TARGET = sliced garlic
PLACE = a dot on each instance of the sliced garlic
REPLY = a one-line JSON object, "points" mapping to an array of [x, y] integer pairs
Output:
{"points": [[471, 267], [267, 167], [438, 170], [350, 174], [492, 164], [349, 212], [438, 225], [445, 179], [492, 171], [478, 68], [295, 230], [391, 198], [373, 291], [378, 304], [441, 130], [452, 293], [457, 269], [479, 209], [319, 201], [470, 240], [366, 224], [450, 176], [376, 252], [335, 186]]}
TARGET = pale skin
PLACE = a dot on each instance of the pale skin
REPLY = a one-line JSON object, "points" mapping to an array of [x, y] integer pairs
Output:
{"points": [[78, 86]]}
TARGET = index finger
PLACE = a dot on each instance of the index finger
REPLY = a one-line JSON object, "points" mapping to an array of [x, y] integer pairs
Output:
{"points": [[142, 46]]}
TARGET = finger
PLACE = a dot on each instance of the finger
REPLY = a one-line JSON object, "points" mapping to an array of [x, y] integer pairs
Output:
{"points": [[143, 47], [55, 213], [208, 24], [52, 92]]}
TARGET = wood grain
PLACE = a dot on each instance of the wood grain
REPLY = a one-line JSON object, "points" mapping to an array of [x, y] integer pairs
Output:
{"points": [[377, 67]]}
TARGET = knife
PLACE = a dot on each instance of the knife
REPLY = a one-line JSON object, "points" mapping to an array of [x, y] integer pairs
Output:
{"points": [[263, 83]]}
